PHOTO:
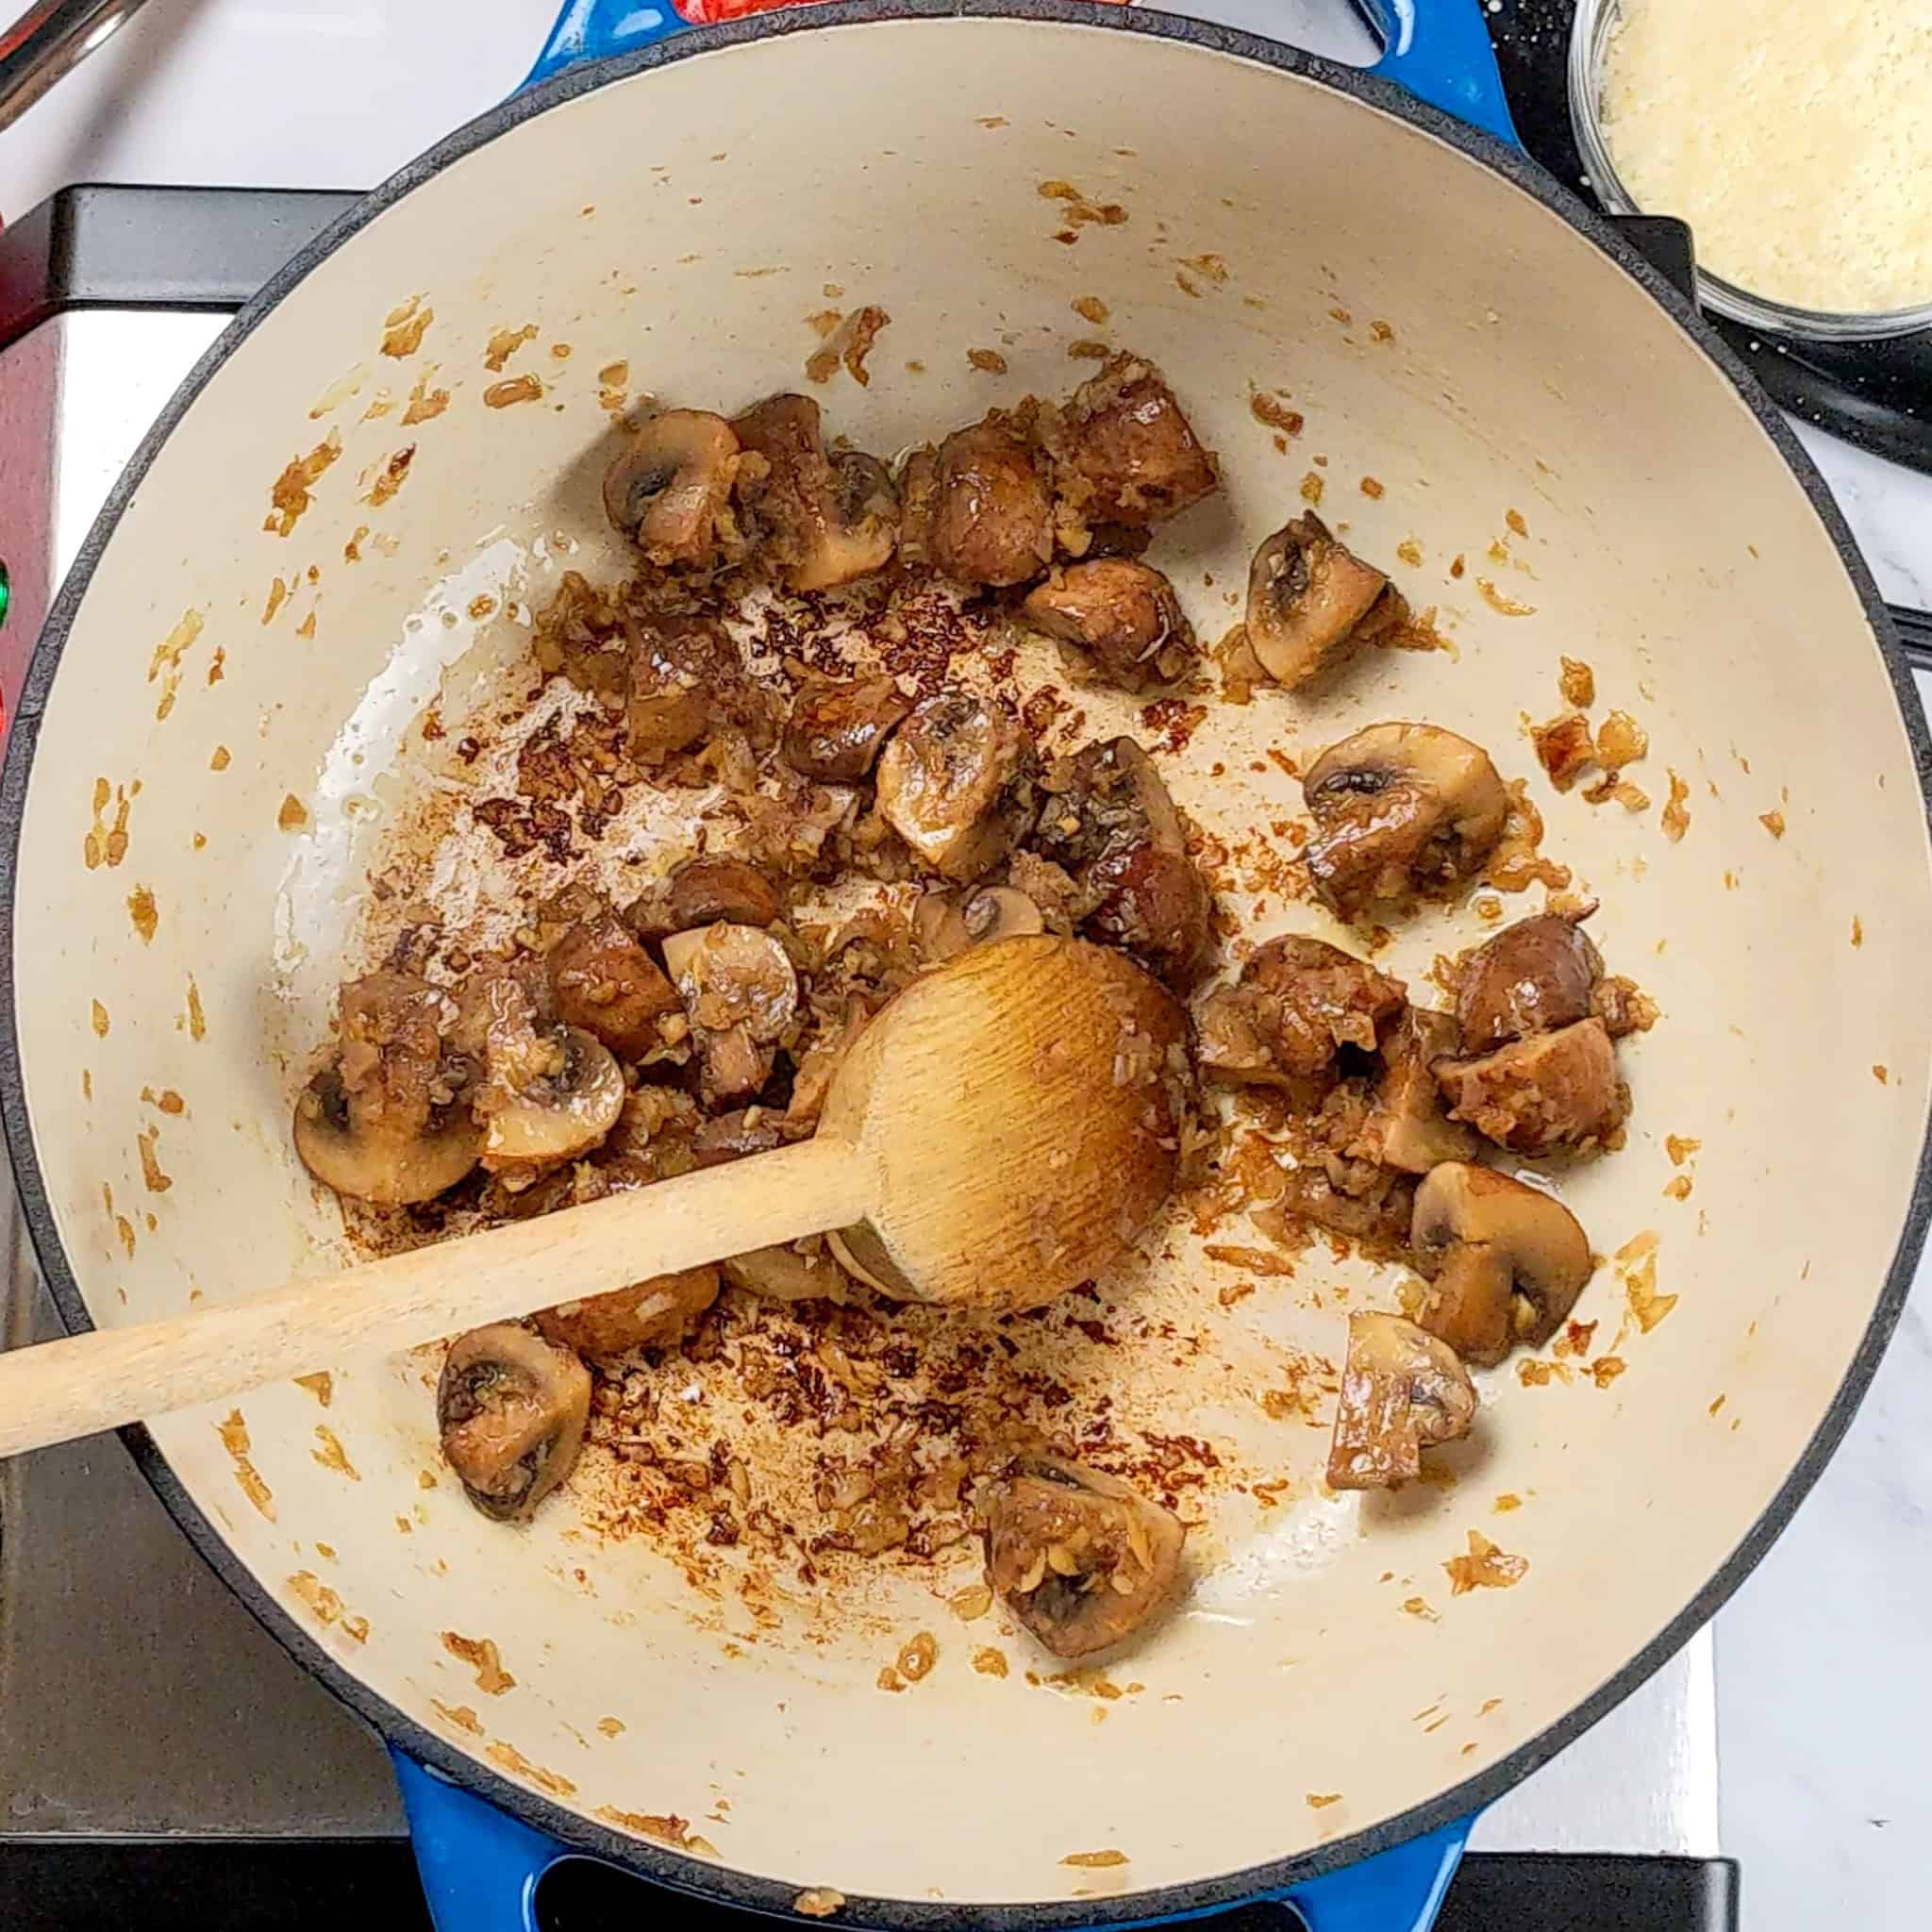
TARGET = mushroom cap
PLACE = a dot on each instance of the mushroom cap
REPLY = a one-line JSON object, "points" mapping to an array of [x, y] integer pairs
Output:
{"points": [[1402, 1390], [685, 680], [604, 981], [734, 975], [513, 1410], [701, 892], [993, 512], [1123, 615], [558, 1115], [944, 781], [828, 522], [784, 1275], [1513, 1260], [658, 1313], [1128, 453], [1532, 977], [1307, 595], [1078, 1558], [394, 1163], [947, 922], [669, 487], [1399, 807], [838, 727], [1535, 1095]]}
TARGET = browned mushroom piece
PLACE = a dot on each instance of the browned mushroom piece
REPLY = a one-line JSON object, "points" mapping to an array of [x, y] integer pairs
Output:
{"points": [[1402, 1392], [826, 521], [1078, 1558], [602, 980], [918, 502], [1298, 1003], [1309, 597], [1108, 819], [1399, 809], [1536, 1095], [729, 1137], [1506, 1262], [389, 1120], [703, 891], [1127, 451], [658, 1313], [513, 1410], [1533, 978], [838, 728], [687, 681], [946, 924], [805, 1273], [947, 784], [1370, 1207], [740, 992], [669, 489], [1405, 1126], [991, 512], [1121, 619]]}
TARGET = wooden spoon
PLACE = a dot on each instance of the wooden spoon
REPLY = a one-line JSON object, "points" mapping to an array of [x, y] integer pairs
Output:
{"points": [[1003, 1130]]}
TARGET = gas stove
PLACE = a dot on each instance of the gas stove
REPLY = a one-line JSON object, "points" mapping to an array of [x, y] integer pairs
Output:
{"points": [[162, 1761]]}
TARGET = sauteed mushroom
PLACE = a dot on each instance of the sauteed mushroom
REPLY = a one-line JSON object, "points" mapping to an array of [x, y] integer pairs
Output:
{"points": [[740, 992], [1535, 1095], [1406, 1127], [669, 489], [512, 1409], [729, 1136], [1309, 597], [604, 982], [945, 784], [1402, 1392], [1077, 1558], [1534, 976], [703, 891], [1375, 1216], [1109, 822], [1299, 1001], [387, 1121], [947, 922], [836, 728], [658, 1313], [786, 1275], [992, 519], [829, 521], [1128, 454], [1121, 619], [686, 682], [1398, 809], [1507, 1261]]}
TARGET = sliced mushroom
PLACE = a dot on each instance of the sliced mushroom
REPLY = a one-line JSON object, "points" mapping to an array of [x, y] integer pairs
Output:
{"points": [[513, 1410], [1122, 618], [1535, 1095], [1128, 454], [993, 512], [389, 1120], [1111, 824], [1507, 1261], [602, 980], [669, 489], [1310, 597], [740, 992], [686, 682], [948, 923], [1078, 1556], [703, 891], [658, 1313], [1298, 1003], [830, 521], [786, 1275], [1399, 809], [1534, 976], [556, 1115], [1405, 1126], [838, 728], [1402, 1392], [918, 502], [946, 784]]}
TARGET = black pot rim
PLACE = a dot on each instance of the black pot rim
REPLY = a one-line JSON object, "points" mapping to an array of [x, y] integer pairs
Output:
{"points": [[573, 1833]]}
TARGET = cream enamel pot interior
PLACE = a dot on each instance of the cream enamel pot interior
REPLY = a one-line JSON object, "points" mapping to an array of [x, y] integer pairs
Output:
{"points": [[1580, 471]]}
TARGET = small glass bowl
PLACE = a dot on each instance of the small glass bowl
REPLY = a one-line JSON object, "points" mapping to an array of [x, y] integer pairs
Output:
{"points": [[1597, 20]]}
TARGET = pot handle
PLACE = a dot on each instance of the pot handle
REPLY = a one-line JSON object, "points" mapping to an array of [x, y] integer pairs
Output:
{"points": [[1439, 51], [1397, 1891], [592, 29], [479, 1866]]}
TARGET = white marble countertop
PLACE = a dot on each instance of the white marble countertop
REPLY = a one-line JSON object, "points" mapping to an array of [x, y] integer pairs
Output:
{"points": [[1822, 1704]]}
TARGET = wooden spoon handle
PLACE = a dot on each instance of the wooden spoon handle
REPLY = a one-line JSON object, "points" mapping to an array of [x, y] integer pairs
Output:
{"points": [[62, 1389]]}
